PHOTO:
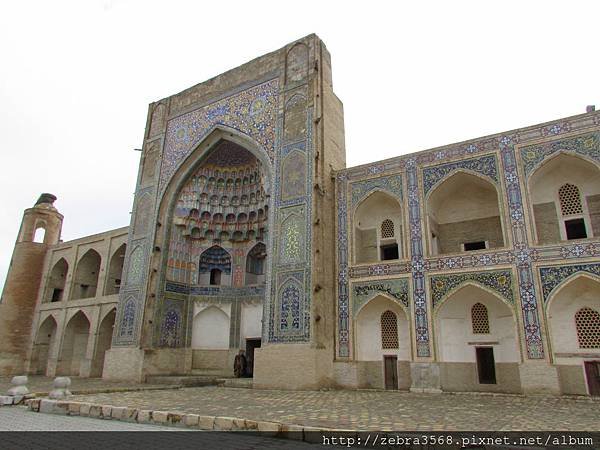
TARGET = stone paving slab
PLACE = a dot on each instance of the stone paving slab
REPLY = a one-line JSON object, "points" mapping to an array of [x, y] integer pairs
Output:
{"points": [[42, 385], [369, 410]]}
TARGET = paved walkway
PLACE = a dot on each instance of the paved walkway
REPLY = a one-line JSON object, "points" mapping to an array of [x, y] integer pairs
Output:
{"points": [[41, 384], [370, 410], [17, 418]]}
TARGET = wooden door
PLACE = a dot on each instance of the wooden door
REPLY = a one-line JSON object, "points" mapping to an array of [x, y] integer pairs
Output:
{"points": [[390, 364], [592, 373]]}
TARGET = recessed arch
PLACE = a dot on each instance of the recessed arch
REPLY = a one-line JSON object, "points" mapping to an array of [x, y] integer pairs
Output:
{"points": [[103, 341], [463, 213], [370, 243], [454, 334], [74, 345], [115, 271], [210, 329], [55, 286], [368, 337], [44, 345], [85, 282], [546, 185], [581, 290], [256, 264], [214, 267]]}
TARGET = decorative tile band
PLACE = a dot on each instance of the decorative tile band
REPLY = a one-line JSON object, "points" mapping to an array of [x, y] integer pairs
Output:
{"points": [[362, 293], [553, 276], [252, 112], [484, 165], [586, 145], [391, 184], [208, 291], [498, 281]]}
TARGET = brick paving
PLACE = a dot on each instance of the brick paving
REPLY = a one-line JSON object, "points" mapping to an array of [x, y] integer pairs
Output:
{"points": [[370, 410]]}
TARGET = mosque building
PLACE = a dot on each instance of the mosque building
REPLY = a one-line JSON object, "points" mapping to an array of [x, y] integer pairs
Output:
{"points": [[469, 267]]}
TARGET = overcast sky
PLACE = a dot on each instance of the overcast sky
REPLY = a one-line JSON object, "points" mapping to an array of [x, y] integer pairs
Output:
{"points": [[76, 79]]}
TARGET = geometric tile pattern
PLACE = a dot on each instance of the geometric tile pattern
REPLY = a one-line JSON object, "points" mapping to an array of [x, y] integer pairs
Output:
{"points": [[499, 281], [362, 293], [586, 145], [251, 112], [552, 276], [484, 165], [391, 184]]}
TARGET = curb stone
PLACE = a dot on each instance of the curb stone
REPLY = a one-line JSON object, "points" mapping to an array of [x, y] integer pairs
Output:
{"points": [[173, 418]]}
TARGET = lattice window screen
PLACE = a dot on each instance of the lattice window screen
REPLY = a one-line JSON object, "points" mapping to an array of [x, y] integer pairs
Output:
{"points": [[570, 200], [480, 319], [587, 322], [387, 229], [389, 330]]}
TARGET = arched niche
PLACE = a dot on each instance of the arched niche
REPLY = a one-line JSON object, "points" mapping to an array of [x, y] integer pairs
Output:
{"points": [[55, 286], [115, 271], [463, 214], [578, 292], [256, 264], [210, 329], [103, 341], [87, 271], [369, 341], [43, 346], [74, 345], [226, 158], [214, 267], [472, 356], [554, 189], [378, 234]]}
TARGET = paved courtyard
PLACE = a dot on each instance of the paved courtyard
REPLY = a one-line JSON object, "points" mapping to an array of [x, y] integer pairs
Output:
{"points": [[370, 410]]}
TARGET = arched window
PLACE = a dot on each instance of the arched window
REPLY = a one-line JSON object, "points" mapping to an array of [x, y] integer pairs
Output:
{"points": [[387, 229], [40, 233], [570, 200], [587, 322], [389, 330], [479, 319]]}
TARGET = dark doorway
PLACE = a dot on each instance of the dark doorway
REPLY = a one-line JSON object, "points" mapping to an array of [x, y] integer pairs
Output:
{"points": [[251, 344], [390, 365], [486, 368], [592, 373], [215, 277]]}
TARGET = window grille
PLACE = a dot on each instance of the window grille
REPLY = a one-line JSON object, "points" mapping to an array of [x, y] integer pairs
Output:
{"points": [[389, 330], [387, 229], [587, 322], [480, 319], [570, 200]]}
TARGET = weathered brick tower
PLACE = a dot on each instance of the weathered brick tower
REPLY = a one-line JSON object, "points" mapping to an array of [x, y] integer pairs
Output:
{"points": [[43, 224]]}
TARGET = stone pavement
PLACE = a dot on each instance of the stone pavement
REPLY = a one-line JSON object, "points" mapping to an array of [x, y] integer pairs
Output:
{"points": [[17, 418], [370, 410], [42, 385]]}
